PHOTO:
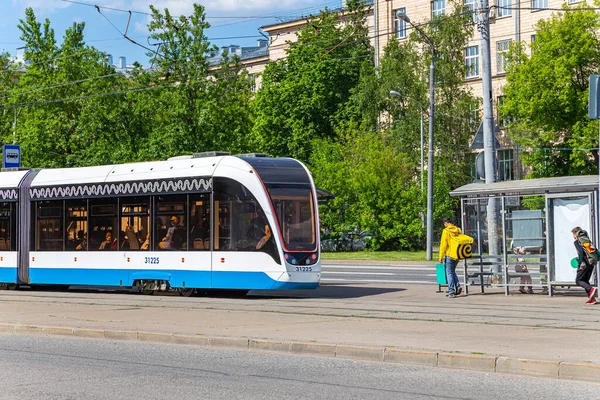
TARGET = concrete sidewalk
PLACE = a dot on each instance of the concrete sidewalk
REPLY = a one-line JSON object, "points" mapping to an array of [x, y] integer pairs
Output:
{"points": [[531, 334]]}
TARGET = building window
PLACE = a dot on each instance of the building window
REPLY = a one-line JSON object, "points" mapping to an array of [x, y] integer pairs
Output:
{"points": [[472, 5], [502, 121], [533, 37], [504, 8], [501, 51], [472, 61], [539, 4], [399, 23], [438, 7], [574, 1], [505, 164]]}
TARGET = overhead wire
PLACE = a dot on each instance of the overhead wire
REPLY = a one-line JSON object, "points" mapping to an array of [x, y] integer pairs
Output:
{"points": [[327, 49]]}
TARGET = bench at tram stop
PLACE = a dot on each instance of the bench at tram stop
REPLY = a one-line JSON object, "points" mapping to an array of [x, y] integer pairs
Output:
{"points": [[470, 276]]}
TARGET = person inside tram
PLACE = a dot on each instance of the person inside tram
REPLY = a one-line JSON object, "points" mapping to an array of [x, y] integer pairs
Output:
{"points": [[146, 244], [105, 245], [259, 231], [124, 241], [81, 241], [172, 239]]}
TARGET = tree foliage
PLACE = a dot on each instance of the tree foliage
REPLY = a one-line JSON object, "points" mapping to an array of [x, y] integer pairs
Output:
{"points": [[383, 194], [303, 95], [74, 109], [546, 95]]}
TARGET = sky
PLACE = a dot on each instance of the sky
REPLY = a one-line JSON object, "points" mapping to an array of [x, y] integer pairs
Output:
{"points": [[232, 21]]}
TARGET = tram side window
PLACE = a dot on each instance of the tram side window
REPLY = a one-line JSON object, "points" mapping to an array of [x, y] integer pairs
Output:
{"points": [[170, 231], [8, 232], [103, 233], [199, 237], [49, 229], [135, 224], [77, 224], [240, 222]]}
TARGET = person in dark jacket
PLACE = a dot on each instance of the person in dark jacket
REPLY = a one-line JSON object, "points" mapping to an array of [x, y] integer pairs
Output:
{"points": [[585, 269]]}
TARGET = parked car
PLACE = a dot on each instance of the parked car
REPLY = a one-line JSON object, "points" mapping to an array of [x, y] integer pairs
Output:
{"points": [[346, 241]]}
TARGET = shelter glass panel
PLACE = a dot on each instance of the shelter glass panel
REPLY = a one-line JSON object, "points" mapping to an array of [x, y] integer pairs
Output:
{"points": [[525, 222], [488, 246]]}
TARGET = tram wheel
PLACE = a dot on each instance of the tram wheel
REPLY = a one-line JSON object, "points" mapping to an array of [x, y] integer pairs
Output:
{"points": [[186, 292], [9, 286]]}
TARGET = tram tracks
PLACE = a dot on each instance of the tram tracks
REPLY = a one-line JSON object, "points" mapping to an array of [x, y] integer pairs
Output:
{"points": [[532, 316]]}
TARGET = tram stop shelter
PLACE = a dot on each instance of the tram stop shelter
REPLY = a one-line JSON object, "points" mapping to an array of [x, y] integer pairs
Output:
{"points": [[522, 231]]}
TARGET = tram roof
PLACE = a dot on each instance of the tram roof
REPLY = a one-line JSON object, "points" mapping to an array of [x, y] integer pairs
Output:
{"points": [[11, 179], [563, 184], [176, 168]]}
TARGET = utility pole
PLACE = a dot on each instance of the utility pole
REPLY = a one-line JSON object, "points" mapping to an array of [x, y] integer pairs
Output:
{"points": [[489, 141]]}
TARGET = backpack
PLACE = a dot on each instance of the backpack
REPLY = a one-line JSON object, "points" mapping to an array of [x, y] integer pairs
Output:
{"points": [[590, 251], [461, 246]]}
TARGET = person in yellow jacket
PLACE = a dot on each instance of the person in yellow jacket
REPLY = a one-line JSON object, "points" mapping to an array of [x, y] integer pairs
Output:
{"points": [[450, 230]]}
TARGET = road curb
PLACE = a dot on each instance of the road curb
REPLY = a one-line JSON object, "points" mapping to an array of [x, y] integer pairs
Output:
{"points": [[476, 362]]}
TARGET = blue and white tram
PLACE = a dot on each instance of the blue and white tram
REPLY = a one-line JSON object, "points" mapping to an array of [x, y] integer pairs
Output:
{"points": [[226, 222]]}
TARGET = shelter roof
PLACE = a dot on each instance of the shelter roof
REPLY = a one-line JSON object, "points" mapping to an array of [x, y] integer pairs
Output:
{"points": [[563, 184]]}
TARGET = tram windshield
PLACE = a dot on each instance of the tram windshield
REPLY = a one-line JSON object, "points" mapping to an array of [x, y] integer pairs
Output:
{"points": [[296, 217]]}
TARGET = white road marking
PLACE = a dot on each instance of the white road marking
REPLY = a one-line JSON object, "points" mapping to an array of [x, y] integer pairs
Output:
{"points": [[414, 268], [358, 273], [375, 280]]}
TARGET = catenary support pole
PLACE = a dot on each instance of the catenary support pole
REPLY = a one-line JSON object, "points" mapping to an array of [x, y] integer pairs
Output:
{"points": [[488, 130], [430, 157]]}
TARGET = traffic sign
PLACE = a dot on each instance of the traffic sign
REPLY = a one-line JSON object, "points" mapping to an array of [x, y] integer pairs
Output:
{"points": [[11, 156]]}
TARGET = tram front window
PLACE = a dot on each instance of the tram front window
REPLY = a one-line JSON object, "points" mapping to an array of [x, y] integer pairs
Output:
{"points": [[296, 216]]}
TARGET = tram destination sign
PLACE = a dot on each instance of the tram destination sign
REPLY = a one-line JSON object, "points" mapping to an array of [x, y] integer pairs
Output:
{"points": [[11, 156]]}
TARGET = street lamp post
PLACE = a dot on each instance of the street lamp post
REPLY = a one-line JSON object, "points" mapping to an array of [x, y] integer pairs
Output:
{"points": [[430, 151]]}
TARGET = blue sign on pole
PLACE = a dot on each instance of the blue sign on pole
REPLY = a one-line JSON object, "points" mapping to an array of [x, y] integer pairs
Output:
{"points": [[11, 156]]}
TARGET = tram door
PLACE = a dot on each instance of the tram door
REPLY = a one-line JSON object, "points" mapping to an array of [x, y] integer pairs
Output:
{"points": [[567, 212]]}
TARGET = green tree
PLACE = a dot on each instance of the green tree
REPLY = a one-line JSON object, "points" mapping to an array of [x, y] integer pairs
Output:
{"points": [[546, 95], [52, 97], [302, 96], [393, 210], [199, 107], [374, 187]]}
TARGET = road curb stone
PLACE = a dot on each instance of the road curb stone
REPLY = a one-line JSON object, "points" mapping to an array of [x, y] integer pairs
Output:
{"points": [[554, 369], [584, 372], [529, 367], [360, 352], [411, 357], [467, 361]]}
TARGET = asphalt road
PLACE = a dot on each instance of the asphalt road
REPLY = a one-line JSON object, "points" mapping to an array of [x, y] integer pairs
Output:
{"points": [[379, 273], [37, 367]]}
